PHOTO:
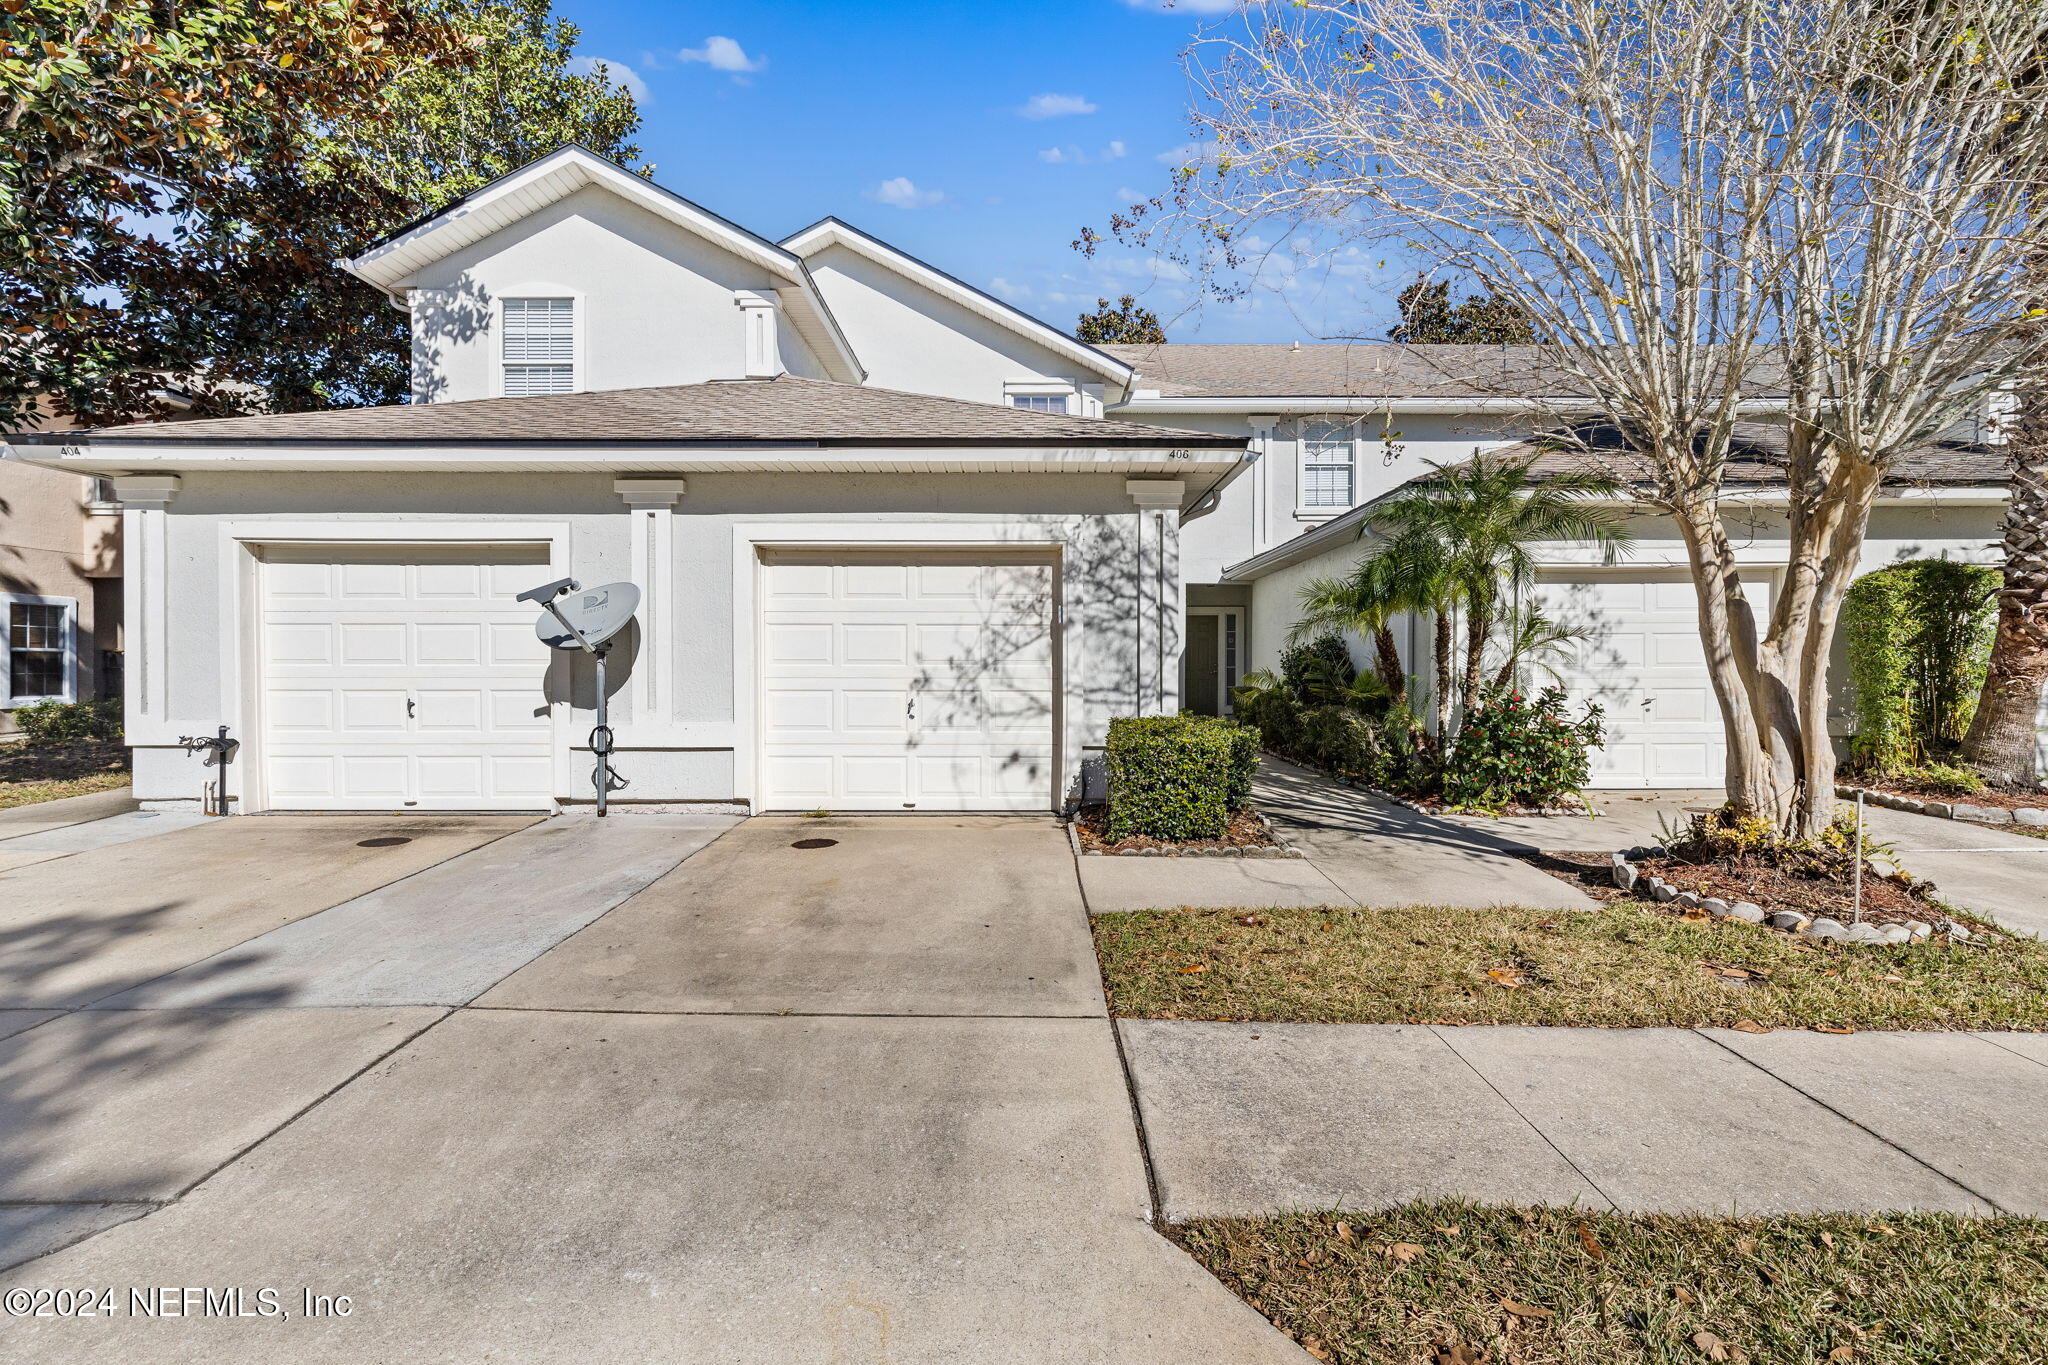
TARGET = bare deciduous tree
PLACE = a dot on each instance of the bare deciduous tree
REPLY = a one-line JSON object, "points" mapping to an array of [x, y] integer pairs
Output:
{"points": [[1698, 204]]}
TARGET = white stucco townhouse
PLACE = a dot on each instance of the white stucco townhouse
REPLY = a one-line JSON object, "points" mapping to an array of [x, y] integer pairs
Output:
{"points": [[901, 546]]}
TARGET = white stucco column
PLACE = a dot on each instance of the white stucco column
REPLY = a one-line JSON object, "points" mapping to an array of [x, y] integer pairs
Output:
{"points": [[651, 505], [1160, 609], [145, 604], [760, 320], [1263, 429]]}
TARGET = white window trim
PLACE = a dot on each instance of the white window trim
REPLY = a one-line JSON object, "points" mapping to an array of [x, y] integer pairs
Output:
{"points": [[1303, 509], [10, 600], [1057, 388], [577, 373]]}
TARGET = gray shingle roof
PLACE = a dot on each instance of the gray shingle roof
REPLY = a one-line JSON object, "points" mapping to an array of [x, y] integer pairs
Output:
{"points": [[1955, 459], [1348, 369], [784, 410]]}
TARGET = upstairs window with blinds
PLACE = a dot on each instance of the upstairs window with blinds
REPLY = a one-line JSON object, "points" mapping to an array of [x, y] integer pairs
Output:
{"points": [[1329, 466], [540, 346]]}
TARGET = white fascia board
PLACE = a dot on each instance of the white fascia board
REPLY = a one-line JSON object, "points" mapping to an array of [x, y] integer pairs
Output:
{"points": [[554, 177], [1356, 403], [832, 232], [1163, 457]]}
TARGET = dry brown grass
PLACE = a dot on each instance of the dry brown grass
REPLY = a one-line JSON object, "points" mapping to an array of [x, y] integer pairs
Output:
{"points": [[1419, 1284], [1624, 965], [45, 772]]}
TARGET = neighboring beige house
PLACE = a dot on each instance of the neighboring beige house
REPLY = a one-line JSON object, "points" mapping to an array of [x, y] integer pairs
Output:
{"points": [[60, 587]]}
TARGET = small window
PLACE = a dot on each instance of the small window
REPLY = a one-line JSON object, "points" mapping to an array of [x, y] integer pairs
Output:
{"points": [[1039, 402], [540, 346], [1329, 463], [38, 648]]}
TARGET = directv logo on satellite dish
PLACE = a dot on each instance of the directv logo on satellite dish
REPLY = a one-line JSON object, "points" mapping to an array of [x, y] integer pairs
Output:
{"points": [[596, 614]]}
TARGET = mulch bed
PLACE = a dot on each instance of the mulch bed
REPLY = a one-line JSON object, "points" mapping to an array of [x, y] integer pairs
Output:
{"points": [[1248, 829], [1884, 900], [1998, 800]]}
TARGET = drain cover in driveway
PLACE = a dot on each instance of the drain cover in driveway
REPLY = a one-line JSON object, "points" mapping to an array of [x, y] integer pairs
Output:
{"points": [[392, 841], [814, 843]]}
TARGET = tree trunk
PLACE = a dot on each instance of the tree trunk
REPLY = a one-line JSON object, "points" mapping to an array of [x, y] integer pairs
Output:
{"points": [[1478, 625], [1387, 663], [2002, 742], [1443, 676]]}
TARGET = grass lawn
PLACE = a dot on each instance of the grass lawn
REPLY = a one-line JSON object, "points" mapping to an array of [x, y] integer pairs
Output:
{"points": [[1450, 1283], [1625, 964], [44, 772]]}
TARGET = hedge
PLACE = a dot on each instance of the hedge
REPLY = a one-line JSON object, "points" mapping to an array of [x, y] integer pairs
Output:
{"points": [[1918, 638], [51, 722], [1178, 777]]}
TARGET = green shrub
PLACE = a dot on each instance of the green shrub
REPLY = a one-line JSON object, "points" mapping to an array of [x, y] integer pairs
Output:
{"points": [[1513, 751], [1178, 777], [57, 722], [1319, 670], [1264, 702], [1918, 638], [1341, 740], [1940, 777]]}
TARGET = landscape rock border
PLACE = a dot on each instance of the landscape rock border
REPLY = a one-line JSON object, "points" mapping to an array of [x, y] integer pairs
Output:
{"points": [[2031, 816], [1627, 876], [1279, 848]]}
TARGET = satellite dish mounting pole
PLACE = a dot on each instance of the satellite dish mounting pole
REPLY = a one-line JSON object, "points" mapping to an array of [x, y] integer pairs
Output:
{"points": [[601, 736], [603, 612]]}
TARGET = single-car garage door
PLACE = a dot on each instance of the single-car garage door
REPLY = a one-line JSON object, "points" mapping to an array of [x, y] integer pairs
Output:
{"points": [[906, 682], [1639, 656], [403, 678]]}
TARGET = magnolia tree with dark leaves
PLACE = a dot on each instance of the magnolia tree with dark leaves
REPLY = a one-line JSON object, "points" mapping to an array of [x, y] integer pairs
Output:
{"points": [[1696, 204], [181, 179]]}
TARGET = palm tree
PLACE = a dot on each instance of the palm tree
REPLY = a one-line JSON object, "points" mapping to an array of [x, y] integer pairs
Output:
{"points": [[1476, 525], [1364, 602]]}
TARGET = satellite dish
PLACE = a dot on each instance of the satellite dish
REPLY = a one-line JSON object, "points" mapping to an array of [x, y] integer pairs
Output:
{"points": [[598, 613]]}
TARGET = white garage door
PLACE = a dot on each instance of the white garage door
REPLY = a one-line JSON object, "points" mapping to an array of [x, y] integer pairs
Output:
{"points": [[1641, 658], [404, 678], [894, 683]]}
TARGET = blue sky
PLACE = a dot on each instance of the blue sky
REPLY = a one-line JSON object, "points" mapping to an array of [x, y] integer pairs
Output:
{"points": [[980, 138]]}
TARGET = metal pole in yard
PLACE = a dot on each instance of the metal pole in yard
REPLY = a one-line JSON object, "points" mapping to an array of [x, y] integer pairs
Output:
{"points": [[1856, 916]]}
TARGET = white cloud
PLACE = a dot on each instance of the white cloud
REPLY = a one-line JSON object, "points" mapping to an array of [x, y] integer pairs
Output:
{"points": [[1189, 154], [1076, 156], [1054, 106], [898, 192], [723, 54], [617, 72], [1131, 196], [1003, 289]]}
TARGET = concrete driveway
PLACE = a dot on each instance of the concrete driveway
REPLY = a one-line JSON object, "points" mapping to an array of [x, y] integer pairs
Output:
{"points": [[851, 1104]]}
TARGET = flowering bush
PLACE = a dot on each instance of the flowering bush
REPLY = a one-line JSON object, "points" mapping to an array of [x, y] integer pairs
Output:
{"points": [[1513, 751]]}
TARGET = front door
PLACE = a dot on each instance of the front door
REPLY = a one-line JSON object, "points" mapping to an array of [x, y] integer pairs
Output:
{"points": [[1209, 664]]}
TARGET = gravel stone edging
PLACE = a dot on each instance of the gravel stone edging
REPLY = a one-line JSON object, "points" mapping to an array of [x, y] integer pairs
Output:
{"points": [[2032, 816], [1280, 848], [1628, 876]]}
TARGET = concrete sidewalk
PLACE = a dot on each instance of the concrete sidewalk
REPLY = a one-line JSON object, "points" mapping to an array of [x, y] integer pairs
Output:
{"points": [[38, 816], [1256, 1118], [1360, 851]]}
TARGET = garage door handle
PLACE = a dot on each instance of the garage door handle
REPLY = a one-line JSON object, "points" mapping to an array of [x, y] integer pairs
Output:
{"points": [[408, 708], [910, 709]]}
